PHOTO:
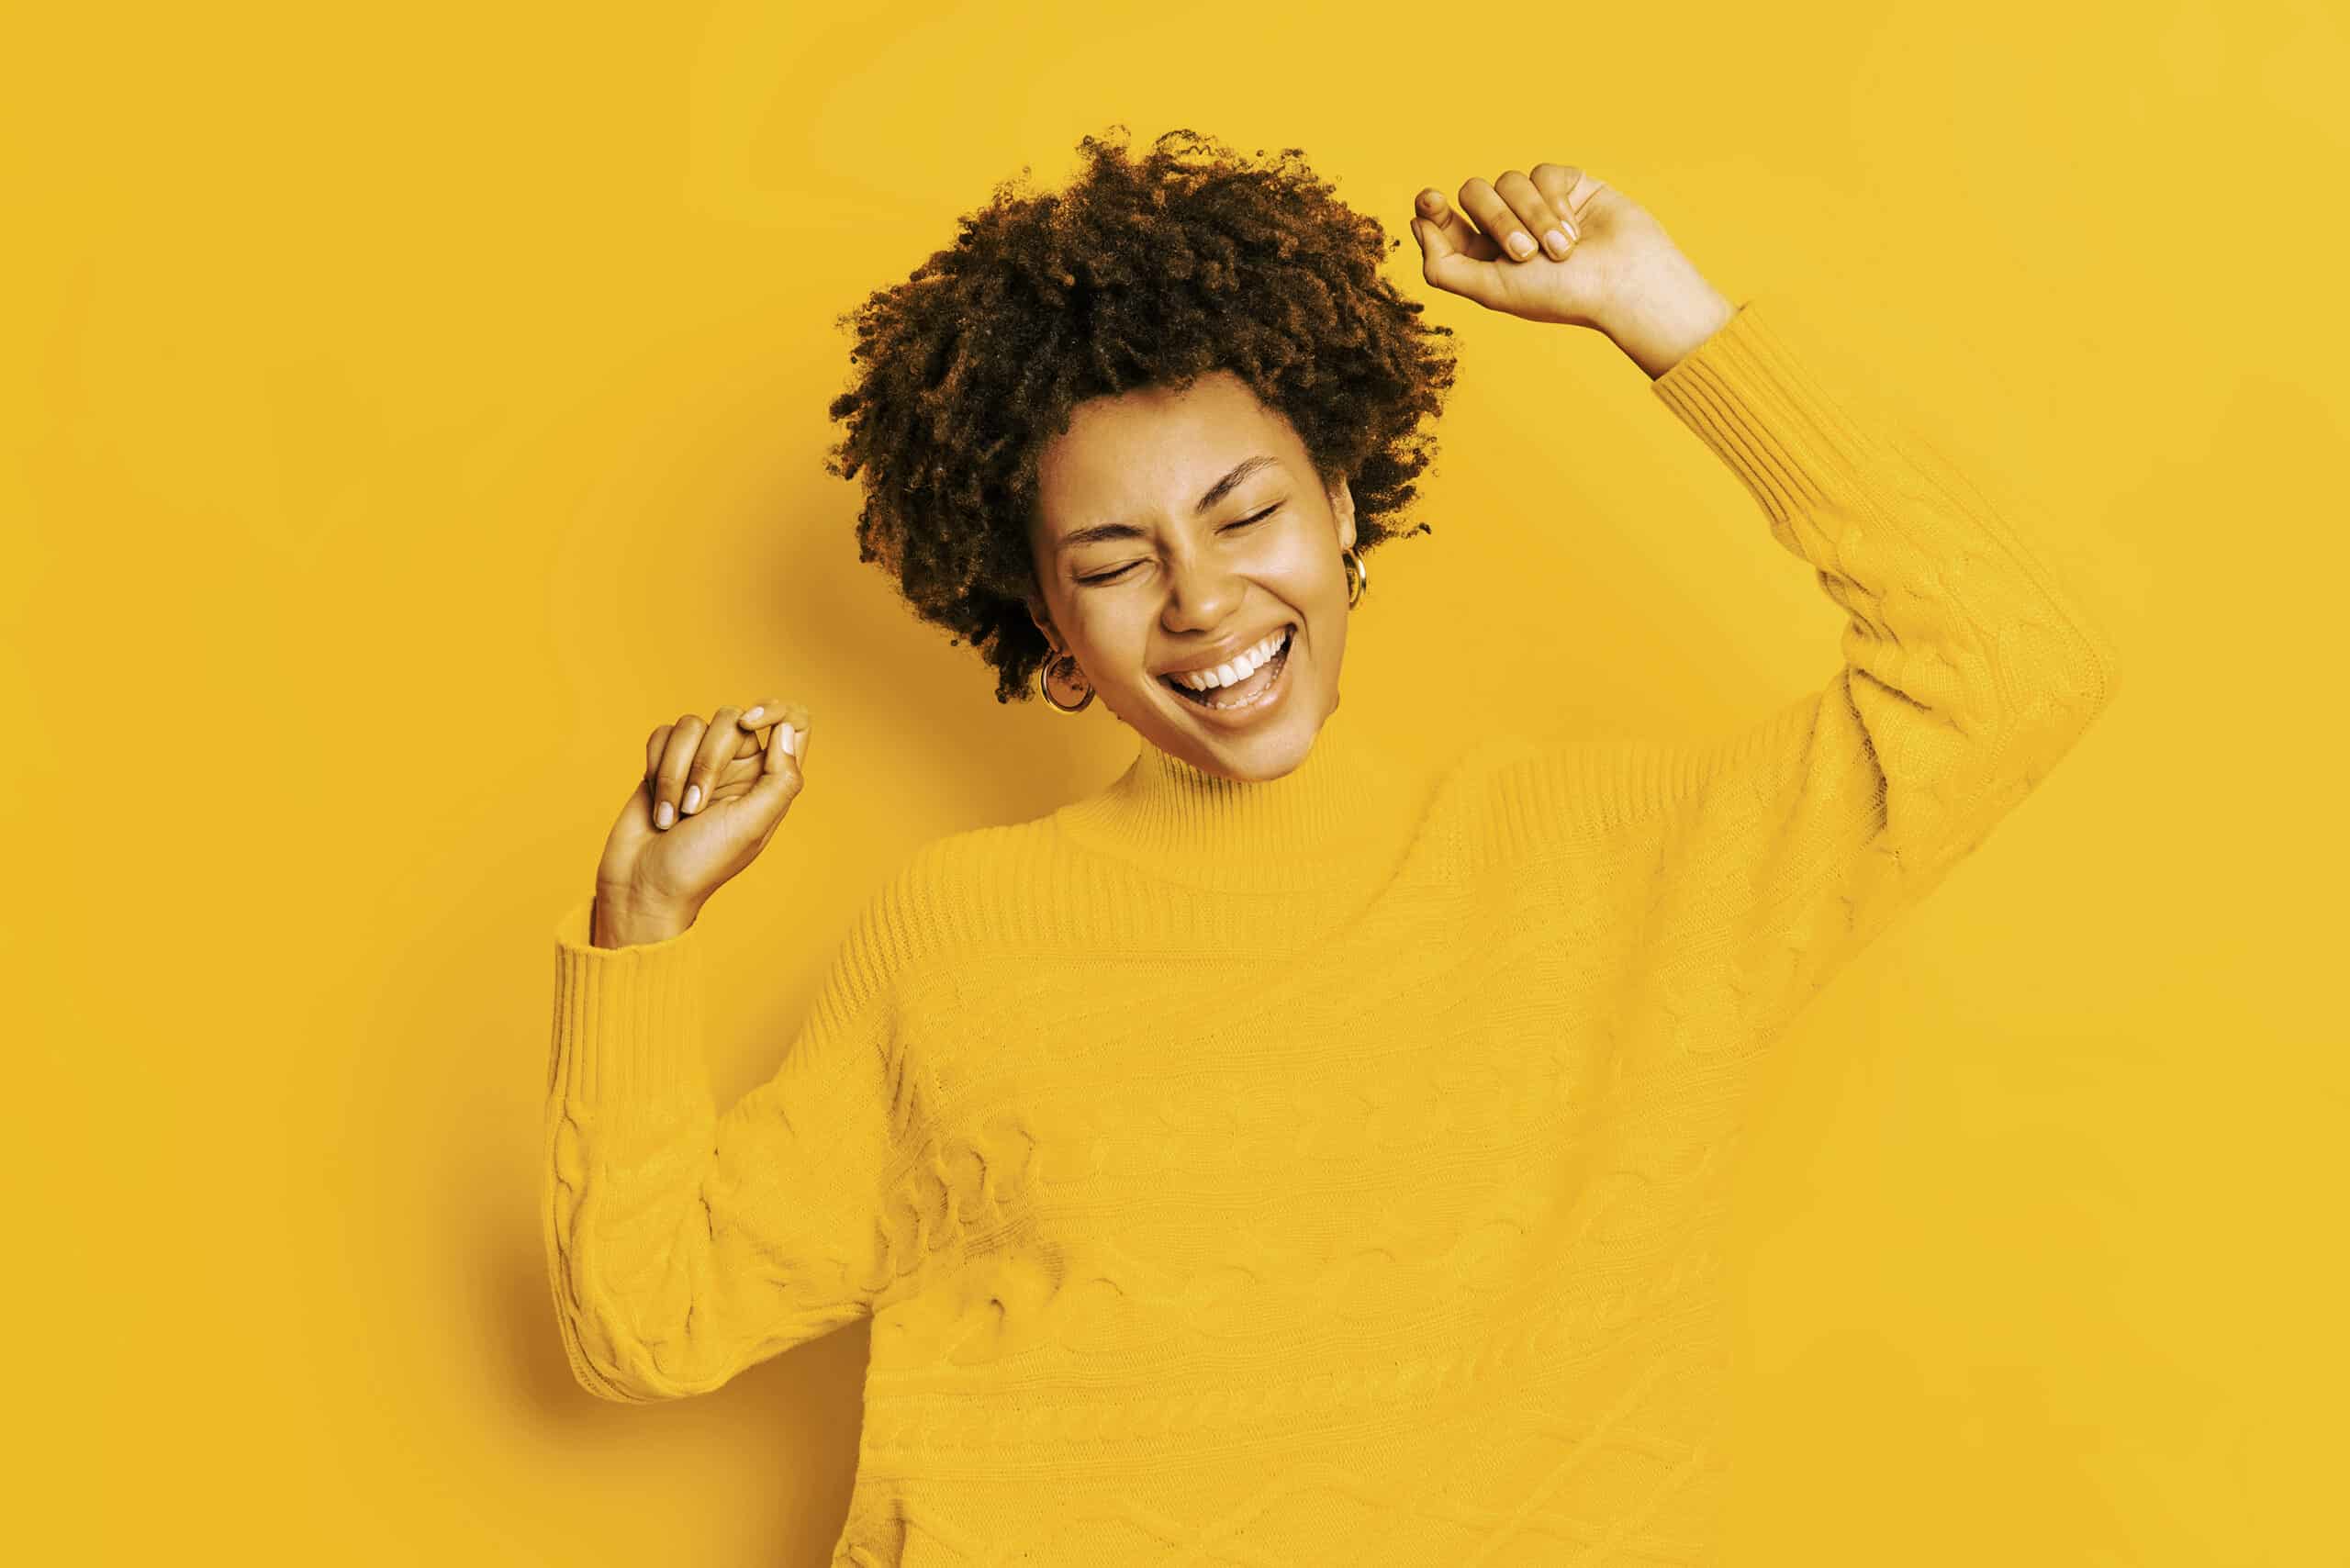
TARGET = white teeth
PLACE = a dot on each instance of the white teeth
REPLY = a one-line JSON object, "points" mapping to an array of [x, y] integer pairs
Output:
{"points": [[1238, 670]]}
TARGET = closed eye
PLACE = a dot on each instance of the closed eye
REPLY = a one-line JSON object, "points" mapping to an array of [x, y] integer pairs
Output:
{"points": [[1245, 523]]}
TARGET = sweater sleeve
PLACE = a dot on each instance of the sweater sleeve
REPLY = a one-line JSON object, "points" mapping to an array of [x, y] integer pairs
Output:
{"points": [[1968, 671], [684, 1244]]}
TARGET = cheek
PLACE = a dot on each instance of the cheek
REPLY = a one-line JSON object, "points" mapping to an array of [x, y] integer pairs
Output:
{"points": [[1320, 580], [1116, 645], [1300, 566]]}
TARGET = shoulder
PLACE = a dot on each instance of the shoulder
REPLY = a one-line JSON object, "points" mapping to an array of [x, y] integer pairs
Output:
{"points": [[1539, 789], [1527, 774], [960, 889]]}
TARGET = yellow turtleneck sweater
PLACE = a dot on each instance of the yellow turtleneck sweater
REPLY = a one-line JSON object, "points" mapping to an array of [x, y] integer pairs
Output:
{"points": [[1330, 1169]]}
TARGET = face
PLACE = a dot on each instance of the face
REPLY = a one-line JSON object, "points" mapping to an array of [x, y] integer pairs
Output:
{"points": [[1175, 529]]}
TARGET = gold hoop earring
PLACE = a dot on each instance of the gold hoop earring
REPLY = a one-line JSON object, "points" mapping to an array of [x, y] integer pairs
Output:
{"points": [[1358, 577], [1045, 685]]}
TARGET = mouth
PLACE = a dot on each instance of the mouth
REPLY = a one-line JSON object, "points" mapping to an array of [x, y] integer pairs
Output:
{"points": [[1258, 691]]}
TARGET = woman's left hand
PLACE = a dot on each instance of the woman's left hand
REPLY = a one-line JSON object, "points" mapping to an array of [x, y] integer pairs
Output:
{"points": [[1511, 259]]}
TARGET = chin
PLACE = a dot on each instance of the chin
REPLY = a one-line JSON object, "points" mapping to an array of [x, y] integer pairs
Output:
{"points": [[1248, 755]]}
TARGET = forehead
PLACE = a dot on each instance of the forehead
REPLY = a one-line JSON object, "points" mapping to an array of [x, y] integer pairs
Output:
{"points": [[1153, 449]]}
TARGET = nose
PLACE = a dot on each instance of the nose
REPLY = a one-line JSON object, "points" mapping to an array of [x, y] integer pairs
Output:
{"points": [[1200, 597]]}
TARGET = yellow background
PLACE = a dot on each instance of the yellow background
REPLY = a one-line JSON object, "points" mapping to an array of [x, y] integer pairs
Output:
{"points": [[407, 411]]}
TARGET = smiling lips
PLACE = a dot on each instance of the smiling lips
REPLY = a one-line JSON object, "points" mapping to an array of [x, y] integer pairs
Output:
{"points": [[1233, 670], [1247, 682]]}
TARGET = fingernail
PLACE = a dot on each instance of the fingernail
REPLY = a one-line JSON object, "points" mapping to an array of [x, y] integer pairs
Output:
{"points": [[693, 796], [1520, 246], [666, 814], [1556, 240], [793, 740], [753, 716]]}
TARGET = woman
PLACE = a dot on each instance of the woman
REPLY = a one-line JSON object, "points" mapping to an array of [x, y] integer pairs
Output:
{"points": [[1288, 1153]]}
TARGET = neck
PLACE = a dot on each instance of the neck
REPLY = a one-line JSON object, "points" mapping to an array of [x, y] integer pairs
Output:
{"points": [[1337, 823]]}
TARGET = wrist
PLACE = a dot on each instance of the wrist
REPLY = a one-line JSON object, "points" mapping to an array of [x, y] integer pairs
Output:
{"points": [[1661, 316], [621, 919]]}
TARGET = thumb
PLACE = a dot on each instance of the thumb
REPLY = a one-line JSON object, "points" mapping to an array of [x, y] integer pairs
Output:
{"points": [[779, 775]]}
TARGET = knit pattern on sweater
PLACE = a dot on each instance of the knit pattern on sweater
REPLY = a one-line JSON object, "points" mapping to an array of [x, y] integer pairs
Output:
{"points": [[1333, 1167]]}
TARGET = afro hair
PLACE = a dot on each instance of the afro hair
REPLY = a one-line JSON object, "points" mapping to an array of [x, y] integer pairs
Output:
{"points": [[1143, 272]]}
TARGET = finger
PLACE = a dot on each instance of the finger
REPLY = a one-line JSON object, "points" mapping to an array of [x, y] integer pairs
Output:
{"points": [[737, 778], [655, 744], [1568, 190], [670, 781], [1456, 232], [1445, 262], [1481, 202], [742, 770], [718, 745], [791, 731], [762, 713], [1533, 209], [780, 780]]}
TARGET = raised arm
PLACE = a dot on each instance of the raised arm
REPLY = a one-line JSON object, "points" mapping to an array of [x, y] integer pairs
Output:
{"points": [[685, 1245], [1968, 671]]}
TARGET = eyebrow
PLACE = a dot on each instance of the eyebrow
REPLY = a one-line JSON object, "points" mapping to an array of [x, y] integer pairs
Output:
{"points": [[1216, 492]]}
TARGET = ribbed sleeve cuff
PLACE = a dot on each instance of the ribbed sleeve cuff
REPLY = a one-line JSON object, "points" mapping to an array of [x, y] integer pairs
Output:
{"points": [[628, 1023], [1747, 395]]}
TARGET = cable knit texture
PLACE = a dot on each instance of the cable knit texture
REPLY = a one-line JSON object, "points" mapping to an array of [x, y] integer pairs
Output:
{"points": [[1331, 1168]]}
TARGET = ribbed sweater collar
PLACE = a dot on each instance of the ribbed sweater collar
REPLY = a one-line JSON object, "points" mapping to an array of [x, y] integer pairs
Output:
{"points": [[1338, 824]]}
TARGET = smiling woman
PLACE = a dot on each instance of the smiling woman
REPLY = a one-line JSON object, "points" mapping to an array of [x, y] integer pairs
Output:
{"points": [[1211, 565], [1181, 380], [1297, 1151]]}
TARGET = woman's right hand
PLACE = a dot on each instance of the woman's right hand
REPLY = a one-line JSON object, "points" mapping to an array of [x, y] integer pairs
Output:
{"points": [[713, 795]]}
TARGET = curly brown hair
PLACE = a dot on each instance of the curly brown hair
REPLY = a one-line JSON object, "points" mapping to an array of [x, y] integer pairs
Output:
{"points": [[1148, 273]]}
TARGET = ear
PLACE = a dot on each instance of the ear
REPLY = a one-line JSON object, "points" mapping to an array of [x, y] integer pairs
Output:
{"points": [[1342, 505], [1042, 617]]}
